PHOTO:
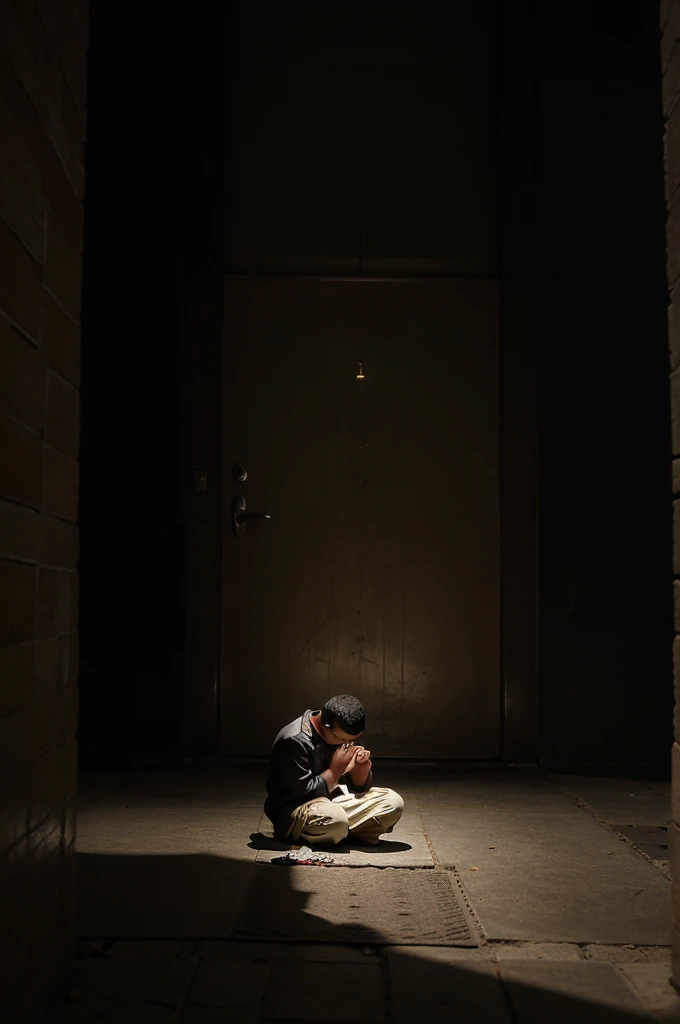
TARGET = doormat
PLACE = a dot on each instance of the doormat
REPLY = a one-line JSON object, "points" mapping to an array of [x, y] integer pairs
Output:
{"points": [[377, 906]]}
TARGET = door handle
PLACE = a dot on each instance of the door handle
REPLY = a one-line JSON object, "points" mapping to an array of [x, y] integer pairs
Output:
{"points": [[239, 514]]}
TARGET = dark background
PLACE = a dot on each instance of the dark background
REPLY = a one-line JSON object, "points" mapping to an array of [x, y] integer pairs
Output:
{"points": [[403, 138]]}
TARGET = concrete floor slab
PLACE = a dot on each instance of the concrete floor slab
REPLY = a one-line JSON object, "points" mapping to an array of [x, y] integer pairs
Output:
{"points": [[135, 977], [153, 947], [251, 806], [627, 801], [399, 850], [228, 798], [172, 831], [607, 916], [228, 983], [305, 952], [621, 954], [657, 954], [337, 992], [217, 1015], [552, 871], [443, 954], [643, 836], [107, 1011], [167, 816], [440, 988], [493, 952], [555, 873], [124, 821], [501, 951], [564, 992], [96, 786], [567, 852], [663, 787], [219, 788], [491, 790], [217, 842], [652, 984], [156, 896]]}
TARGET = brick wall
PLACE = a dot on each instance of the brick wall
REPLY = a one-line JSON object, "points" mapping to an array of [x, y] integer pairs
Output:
{"points": [[43, 46], [670, 64]]}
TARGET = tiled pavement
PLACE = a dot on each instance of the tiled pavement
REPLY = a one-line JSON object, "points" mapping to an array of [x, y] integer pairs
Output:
{"points": [[551, 881], [501, 983]]}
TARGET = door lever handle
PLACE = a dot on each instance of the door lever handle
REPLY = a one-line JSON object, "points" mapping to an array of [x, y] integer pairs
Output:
{"points": [[239, 514]]}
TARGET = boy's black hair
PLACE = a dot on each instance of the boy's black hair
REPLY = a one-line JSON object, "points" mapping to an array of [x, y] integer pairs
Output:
{"points": [[347, 712]]}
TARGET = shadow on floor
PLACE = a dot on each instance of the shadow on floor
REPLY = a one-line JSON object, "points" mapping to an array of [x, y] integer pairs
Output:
{"points": [[194, 897], [260, 841]]}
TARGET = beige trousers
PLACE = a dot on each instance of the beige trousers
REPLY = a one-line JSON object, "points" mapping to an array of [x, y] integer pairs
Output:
{"points": [[365, 815]]}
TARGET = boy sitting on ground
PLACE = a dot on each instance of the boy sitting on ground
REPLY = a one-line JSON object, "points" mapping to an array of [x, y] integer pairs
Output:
{"points": [[320, 785]]}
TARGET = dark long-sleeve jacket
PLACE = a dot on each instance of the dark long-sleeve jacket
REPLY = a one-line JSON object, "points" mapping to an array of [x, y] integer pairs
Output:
{"points": [[298, 757]]}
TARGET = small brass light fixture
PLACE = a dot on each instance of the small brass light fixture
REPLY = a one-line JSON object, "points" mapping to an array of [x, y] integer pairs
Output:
{"points": [[360, 375]]}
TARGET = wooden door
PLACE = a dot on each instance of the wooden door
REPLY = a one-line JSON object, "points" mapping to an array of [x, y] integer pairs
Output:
{"points": [[378, 572]]}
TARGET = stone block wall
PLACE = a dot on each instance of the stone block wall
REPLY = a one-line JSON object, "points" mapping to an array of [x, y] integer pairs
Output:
{"points": [[670, 66], [43, 52]]}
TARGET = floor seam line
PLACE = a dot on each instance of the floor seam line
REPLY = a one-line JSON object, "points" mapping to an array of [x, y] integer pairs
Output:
{"points": [[507, 997], [583, 806], [641, 1001], [181, 1006], [433, 854]]}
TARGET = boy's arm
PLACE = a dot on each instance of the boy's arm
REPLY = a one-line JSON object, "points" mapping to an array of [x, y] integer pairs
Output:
{"points": [[292, 764]]}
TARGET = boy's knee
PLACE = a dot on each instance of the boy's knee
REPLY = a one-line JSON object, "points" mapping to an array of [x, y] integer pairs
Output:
{"points": [[330, 827], [336, 831], [394, 807], [339, 826], [394, 801]]}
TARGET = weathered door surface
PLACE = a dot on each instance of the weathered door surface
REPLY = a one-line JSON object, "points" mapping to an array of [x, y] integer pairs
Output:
{"points": [[378, 572]]}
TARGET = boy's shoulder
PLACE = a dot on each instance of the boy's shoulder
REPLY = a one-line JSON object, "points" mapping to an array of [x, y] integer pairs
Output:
{"points": [[299, 731]]}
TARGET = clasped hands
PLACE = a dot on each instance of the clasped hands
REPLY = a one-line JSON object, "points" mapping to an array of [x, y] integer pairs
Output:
{"points": [[348, 758]]}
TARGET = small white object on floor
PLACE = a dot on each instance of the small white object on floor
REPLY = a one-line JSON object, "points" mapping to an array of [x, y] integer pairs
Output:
{"points": [[303, 854]]}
